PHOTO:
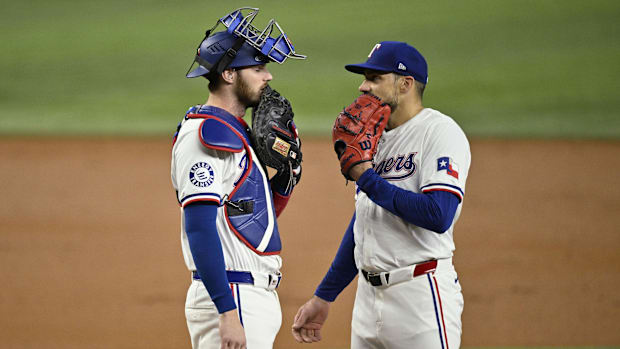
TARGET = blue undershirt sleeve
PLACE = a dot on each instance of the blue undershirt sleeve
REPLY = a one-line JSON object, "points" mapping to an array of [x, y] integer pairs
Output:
{"points": [[342, 270], [433, 211], [204, 242]]}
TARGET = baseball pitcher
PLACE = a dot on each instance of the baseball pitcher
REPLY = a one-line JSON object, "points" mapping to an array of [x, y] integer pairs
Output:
{"points": [[410, 164], [229, 233]]}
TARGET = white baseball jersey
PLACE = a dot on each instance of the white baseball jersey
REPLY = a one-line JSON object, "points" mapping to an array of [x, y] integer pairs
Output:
{"points": [[428, 152], [201, 173]]}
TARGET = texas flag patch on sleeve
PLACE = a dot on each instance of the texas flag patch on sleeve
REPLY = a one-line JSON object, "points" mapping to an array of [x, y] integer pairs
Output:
{"points": [[448, 165]]}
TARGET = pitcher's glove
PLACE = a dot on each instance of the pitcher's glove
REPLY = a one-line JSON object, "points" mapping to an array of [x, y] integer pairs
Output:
{"points": [[275, 139], [357, 131]]}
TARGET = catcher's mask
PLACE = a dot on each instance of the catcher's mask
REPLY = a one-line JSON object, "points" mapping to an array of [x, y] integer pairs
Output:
{"points": [[241, 45]]}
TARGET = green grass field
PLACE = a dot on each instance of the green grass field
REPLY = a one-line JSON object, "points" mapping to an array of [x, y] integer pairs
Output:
{"points": [[507, 68]]}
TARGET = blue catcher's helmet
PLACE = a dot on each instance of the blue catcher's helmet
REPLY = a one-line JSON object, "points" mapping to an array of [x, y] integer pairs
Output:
{"points": [[213, 49], [241, 45]]}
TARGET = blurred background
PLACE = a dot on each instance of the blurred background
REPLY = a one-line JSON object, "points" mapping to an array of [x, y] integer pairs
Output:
{"points": [[91, 93], [511, 67]]}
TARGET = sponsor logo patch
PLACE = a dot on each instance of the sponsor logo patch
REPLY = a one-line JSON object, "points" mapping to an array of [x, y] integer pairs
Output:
{"points": [[201, 174], [281, 146]]}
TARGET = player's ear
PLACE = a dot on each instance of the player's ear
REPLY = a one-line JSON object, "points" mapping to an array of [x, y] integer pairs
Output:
{"points": [[229, 75], [406, 84]]}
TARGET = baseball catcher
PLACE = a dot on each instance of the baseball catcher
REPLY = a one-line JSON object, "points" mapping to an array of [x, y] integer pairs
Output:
{"points": [[229, 206], [357, 131], [275, 139]]}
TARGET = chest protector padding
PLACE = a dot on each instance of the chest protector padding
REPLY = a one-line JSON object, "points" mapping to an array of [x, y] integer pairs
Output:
{"points": [[249, 210]]}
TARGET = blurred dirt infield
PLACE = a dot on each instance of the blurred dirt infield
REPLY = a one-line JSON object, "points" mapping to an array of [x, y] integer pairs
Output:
{"points": [[90, 255]]}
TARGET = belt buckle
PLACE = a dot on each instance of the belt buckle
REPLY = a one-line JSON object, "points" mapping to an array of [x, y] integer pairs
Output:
{"points": [[274, 281], [374, 279]]}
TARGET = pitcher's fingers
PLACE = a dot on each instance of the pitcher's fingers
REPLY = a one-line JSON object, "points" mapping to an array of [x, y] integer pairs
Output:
{"points": [[316, 336], [305, 335], [297, 335], [300, 319]]}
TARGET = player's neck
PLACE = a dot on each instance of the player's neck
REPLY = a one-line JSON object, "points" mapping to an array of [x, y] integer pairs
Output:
{"points": [[403, 113], [227, 102]]}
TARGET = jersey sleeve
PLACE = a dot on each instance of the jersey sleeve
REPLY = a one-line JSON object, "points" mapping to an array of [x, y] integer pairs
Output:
{"points": [[343, 268], [200, 173], [446, 160]]}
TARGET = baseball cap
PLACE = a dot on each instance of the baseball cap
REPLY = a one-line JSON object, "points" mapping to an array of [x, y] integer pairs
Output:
{"points": [[396, 57]]}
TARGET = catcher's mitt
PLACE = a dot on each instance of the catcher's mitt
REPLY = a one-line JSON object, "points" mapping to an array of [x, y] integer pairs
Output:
{"points": [[275, 139], [357, 131]]}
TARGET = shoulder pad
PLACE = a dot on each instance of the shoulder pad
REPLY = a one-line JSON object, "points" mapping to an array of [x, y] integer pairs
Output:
{"points": [[191, 110], [216, 134]]}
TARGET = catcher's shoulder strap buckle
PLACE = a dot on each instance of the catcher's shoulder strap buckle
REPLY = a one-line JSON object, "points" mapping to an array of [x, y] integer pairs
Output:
{"points": [[238, 208]]}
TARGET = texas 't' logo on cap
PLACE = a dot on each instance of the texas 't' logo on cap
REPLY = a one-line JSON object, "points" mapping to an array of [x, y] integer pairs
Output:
{"points": [[375, 48]]}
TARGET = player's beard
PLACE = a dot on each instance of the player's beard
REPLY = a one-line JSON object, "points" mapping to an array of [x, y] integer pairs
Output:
{"points": [[244, 93], [392, 101]]}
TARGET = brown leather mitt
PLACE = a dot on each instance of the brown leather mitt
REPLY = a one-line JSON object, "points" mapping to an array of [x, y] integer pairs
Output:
{"points": [[357, 131]]}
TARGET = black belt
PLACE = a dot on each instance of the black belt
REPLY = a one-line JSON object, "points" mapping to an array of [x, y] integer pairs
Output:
{"points": [[419, 269], [234, 277], [375, 278]]}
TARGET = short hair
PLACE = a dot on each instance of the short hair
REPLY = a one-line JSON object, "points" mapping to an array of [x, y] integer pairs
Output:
{"points": [[214, 82], [419, 87]]}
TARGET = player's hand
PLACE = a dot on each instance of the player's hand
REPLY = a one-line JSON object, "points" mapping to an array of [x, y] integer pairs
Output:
{"points": [[231, 331], [285, 180], [357, 170], [309, 320], [357, 131]]}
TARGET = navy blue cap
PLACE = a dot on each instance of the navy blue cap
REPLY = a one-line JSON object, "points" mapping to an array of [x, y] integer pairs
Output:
{"points": [[396, 57]]}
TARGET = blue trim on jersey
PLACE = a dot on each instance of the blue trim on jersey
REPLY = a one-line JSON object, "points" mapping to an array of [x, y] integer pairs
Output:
{"points": [[430, 282], [434, 211], [239, 305], [201, 194], [445, 185], [343, 268], [206, 248]]}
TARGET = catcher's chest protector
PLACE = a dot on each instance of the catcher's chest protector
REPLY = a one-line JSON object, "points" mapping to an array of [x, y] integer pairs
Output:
{"points": [[249, 208]]}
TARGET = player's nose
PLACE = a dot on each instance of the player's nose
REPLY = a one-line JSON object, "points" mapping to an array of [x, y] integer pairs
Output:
{"points": [[364, 87], [268, 76]]}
